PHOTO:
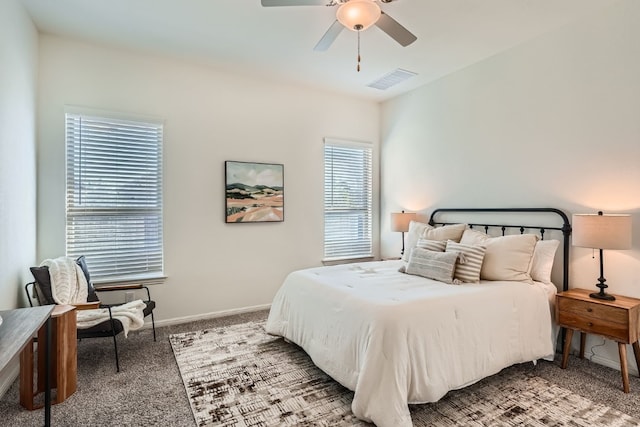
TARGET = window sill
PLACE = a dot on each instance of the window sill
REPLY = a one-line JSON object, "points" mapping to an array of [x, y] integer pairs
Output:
{"points": [[130, 280]]}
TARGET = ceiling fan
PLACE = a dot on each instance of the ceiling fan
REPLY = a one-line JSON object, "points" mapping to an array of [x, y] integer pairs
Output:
{"points": [[356, 15]]}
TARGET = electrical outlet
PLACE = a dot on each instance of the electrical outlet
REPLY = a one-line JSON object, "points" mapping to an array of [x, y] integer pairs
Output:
{"points": [[128, 296]]}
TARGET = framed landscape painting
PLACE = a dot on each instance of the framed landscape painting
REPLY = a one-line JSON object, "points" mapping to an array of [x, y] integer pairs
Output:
{"points": [[254, 192]]}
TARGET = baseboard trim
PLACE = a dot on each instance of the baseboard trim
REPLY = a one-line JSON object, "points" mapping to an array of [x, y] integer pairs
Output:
{"points": [[615, 364], [9, 375], [205, 316]]}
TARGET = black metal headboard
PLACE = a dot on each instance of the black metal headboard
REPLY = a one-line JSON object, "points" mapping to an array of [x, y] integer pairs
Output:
{"points": [[565, 228]]}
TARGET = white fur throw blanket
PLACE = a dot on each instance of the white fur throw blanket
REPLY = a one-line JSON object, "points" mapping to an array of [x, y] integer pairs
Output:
{"points": [[130, 315], [69, 286], [68, 283]]}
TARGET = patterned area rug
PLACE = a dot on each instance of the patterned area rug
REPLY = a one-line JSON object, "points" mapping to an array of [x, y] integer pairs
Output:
{"points": [[241, 376]]}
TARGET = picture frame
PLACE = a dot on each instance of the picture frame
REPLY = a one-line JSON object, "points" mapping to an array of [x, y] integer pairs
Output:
{"points": [[254, 192]]}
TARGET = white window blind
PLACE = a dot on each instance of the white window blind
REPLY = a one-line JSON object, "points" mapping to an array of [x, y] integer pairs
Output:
{"points": [[347, 200], [114, 197]]}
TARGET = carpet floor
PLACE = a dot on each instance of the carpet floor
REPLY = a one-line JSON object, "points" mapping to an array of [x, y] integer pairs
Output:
{"points": [[149, 390], [240, 376]]}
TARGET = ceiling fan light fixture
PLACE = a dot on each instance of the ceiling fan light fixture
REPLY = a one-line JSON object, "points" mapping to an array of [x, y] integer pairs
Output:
{"points": [[358, 15]]}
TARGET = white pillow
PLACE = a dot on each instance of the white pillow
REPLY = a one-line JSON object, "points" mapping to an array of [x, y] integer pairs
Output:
{"points": [[416, 229], [432, 265], [507, 257], [444, 233], [542, 263], [470, 263]]}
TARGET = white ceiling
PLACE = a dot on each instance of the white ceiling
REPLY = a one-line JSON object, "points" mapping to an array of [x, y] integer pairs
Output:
{"points": [[277, 42]]}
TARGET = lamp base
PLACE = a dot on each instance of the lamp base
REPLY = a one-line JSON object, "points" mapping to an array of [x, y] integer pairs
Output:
{"points": [[602, 295], [601, 282]]}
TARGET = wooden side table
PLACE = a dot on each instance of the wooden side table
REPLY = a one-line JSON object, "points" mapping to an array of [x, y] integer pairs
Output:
{"points": [[64, 359], [617, 320], [16, 334]]}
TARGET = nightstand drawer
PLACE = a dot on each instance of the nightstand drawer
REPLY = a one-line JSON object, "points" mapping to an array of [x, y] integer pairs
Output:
{"points": [[614, 330], [597, 312]]}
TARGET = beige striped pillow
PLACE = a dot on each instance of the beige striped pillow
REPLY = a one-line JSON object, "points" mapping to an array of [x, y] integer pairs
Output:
{"points": [[432, 245], [470, 263], [432, 265]]}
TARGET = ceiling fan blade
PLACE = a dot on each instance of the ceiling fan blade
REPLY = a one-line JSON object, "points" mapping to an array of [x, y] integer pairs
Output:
{"points": [[270, 3], [395, 30], [329, 37]]}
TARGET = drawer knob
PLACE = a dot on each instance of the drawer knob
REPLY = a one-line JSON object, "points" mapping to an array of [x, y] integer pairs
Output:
{"points": [[589, 324], [589, 309]]}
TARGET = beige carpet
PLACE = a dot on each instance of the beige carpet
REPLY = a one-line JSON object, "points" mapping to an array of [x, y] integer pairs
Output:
{"points": [[148, 391], [241, 376]]}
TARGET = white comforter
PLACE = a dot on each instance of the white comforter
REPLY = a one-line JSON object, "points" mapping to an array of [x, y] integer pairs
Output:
{"points": [[396, 339]]}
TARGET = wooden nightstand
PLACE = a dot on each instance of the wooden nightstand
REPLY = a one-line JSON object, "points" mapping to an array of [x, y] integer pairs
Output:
{"points": [[618, 320]]}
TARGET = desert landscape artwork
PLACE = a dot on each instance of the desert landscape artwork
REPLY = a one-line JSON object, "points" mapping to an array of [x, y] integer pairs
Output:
{"points": [[254, 192]]}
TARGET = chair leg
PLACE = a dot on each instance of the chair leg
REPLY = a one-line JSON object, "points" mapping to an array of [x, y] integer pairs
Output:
{"points": [[115, 342], [115, 348], [153, 326]]}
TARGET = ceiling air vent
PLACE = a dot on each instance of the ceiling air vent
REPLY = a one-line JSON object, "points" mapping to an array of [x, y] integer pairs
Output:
{"points": [[391, 79]]}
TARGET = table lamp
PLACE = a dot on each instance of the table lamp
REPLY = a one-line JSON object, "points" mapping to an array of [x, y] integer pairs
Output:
{"points": [[602, 232], [400, 222]]}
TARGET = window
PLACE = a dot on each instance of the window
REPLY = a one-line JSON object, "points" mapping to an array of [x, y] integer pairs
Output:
{"points": [[114, 197], [347, 200]]}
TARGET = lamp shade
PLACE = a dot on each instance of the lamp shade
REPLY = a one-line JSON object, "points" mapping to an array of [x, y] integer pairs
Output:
{"points": [[601, 231], [358, 15], [400, 221]]}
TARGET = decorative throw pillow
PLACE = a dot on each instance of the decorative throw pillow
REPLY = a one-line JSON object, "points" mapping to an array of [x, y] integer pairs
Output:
{"points": [[507, 257], [431, 245], [469, 263], [43, 285], [432, 265], [444, 233], [91, 292], [416, 229], [542, 263]]}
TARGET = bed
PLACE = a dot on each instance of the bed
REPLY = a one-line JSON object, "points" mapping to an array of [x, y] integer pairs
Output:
{"points": [[397, 339]]}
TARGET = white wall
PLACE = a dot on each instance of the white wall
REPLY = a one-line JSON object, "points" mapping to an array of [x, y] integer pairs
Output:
{"points": [[210, 117], [18, 71], [554, 122]]}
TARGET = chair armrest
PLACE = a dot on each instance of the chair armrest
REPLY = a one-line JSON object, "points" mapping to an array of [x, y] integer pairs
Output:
{"points": [[108, 288], [87, 306], [30, 291]]}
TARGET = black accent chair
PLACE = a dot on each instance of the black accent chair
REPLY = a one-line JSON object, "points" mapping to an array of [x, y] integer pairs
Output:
{"points": [[111, 327]]}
